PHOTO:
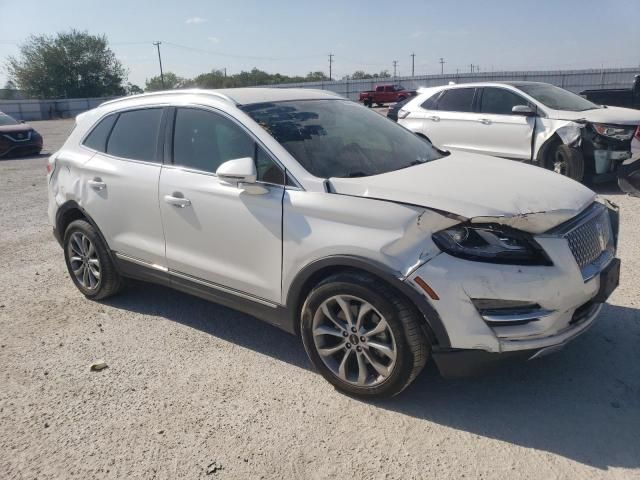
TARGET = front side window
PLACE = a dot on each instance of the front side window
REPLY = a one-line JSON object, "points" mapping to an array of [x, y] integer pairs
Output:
{"points": [[204, 140], [556, 97], [135, 135], [457, 100], [499, 101], [339, 138]]}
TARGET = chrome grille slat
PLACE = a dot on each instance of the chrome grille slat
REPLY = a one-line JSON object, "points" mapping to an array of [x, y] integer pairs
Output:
{"points": [[591, 241]]}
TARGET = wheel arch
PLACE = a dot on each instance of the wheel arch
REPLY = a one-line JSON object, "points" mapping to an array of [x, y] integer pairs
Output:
{"points": [[320, 269]]}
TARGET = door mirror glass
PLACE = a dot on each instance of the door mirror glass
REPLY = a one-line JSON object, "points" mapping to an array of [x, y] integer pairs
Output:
{"points": [[241, 173], [525, 110]]}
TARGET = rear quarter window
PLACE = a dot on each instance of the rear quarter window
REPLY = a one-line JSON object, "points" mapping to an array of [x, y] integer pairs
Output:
{"points": [[457, 100], [431, 103], [97, 138]]}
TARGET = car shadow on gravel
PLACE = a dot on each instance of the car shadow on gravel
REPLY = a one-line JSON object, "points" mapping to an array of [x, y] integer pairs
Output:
{"points": [[582, 403]]}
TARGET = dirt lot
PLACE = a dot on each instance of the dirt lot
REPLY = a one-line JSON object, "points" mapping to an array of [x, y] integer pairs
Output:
{"points": [[195, 390]]}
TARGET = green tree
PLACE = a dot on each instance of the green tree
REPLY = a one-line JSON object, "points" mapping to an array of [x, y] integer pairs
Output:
{"points": [[171, 82], [9, 92], [133, 89], [70, 64], [316, 77]]}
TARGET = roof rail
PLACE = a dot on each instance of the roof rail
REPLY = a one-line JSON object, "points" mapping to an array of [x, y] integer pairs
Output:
{"points": [[191, 91]]}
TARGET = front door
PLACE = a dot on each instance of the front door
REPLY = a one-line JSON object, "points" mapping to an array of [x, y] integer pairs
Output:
{"points": [[219, 233]]}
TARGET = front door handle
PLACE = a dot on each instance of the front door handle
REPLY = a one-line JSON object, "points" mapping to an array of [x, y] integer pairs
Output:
{"points": [[97, 184], [434, 118], [484, 121], [177, 200]]}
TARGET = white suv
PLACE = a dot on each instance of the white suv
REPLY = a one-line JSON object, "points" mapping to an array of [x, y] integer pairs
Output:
{"points": [[330, 221], [531, 122]]}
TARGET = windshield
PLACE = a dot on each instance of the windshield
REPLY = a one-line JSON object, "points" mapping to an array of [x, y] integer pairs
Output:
{"points": [[556, 97], [7, 120], [339, 138]]}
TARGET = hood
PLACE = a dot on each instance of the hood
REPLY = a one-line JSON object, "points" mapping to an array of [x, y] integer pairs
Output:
{"points": [[479, 188], [611, 115]]}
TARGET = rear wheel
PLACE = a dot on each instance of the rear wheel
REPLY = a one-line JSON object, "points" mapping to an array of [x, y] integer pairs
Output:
{"points": [[88, 261], [362, 336]]}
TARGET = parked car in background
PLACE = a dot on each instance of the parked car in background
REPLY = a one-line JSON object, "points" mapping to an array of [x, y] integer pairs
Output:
{"points": [[382, 94], [323, 218], [621, 97], [527, 121], [392, 113], [18, 138]]}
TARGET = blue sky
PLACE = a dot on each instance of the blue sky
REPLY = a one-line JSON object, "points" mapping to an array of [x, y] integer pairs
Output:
{"points": [[294, 37]]}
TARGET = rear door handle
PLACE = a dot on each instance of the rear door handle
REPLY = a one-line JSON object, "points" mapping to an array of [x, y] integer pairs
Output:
{"points": [[434, 118], [177, 200], [484, 121], [97, 184]]}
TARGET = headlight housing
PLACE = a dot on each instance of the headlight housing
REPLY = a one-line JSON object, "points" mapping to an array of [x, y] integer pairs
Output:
{"points": [[492, 244], [616, 132]]}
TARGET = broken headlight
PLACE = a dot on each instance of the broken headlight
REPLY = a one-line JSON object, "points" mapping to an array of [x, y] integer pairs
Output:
{"points": [[616, 132], [491, 243]]}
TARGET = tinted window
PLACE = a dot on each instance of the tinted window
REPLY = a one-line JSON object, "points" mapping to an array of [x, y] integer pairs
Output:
{"points": [[268, 171], [204, 140], [135, 135], [432, 102], [556, 97], [97, 139], [339, 138], [457, 100], [500, 101]]}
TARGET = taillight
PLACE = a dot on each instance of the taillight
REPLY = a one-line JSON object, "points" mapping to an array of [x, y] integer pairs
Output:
{"points": [[51, 164], [49, 167], [638, 133]]}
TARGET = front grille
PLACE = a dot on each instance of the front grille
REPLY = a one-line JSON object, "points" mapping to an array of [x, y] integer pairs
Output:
{"points": [[592, 238]]}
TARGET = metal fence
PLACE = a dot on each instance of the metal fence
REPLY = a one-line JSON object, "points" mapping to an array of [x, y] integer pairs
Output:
{"points": [[573, 80]]}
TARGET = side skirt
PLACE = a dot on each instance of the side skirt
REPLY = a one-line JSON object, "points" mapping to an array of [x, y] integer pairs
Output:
{"points": [[275, 314]]}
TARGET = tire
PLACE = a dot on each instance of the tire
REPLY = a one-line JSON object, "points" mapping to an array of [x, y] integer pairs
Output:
{"points": [[566, 161], [369, 102], [88, 261], [385, 374]]}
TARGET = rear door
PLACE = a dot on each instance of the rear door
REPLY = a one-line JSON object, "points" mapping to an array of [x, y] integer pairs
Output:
{"points": [[120, 184], [447, 126], [499, 132]]}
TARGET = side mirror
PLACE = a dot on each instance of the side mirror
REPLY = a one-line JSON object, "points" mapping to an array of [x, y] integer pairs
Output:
{"points": [[22, 121], [524, 110], [241, 173]]}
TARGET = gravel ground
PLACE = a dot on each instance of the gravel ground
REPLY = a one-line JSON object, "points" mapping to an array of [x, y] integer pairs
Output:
{"points": [[195, 390]]}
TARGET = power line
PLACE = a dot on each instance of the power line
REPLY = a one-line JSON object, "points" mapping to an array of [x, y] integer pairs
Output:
{"points": [[413, 58], [157, 44]]}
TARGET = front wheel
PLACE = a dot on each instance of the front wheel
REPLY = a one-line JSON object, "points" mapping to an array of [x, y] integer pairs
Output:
{"points": [[362, 336], [566, 161]]}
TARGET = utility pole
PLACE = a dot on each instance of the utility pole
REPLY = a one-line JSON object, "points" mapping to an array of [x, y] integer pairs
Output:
{"points": [[471, 68], [413, 59], [157, 44], [442, 62], [395, 64], [330, 64]]}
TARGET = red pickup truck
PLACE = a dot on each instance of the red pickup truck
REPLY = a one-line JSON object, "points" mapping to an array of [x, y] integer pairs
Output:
{"points": [[385, 94]]}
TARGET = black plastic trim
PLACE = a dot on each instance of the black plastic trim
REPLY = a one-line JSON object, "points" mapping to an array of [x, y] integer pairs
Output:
{"points": [[294, 298], [465, 363]]}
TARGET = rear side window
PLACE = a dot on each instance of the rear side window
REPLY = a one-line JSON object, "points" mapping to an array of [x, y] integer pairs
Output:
{"points": [[97, 139], [457, 100], [499, 101], [135, 135], [432, 102]]}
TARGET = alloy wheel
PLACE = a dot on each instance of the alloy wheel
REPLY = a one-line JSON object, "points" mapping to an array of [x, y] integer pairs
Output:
{"points": [[354, 340], [84, 261]]}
